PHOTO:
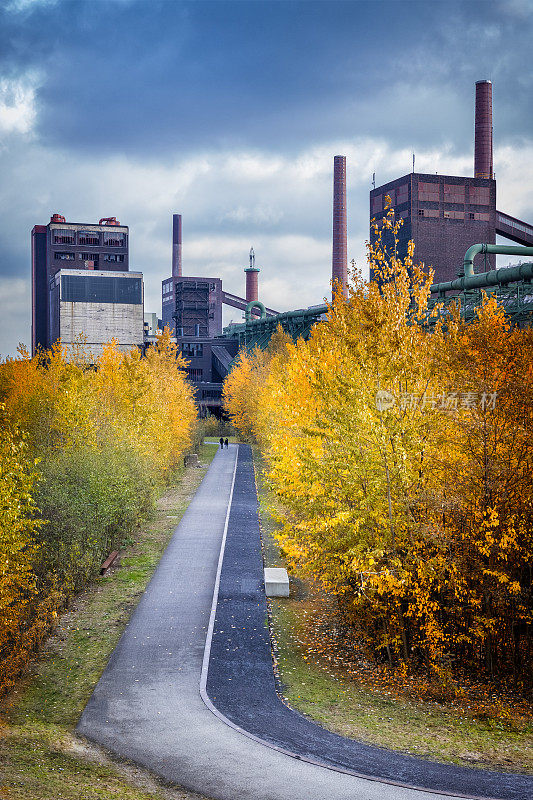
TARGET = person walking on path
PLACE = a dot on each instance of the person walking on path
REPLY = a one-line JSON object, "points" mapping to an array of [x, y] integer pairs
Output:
{"points": [[226, 442], [221, 440]]}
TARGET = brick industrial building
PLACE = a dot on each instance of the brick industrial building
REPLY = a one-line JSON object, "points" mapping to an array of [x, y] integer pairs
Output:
{"points": [[445, 214], [81, 285], [192, 310]]}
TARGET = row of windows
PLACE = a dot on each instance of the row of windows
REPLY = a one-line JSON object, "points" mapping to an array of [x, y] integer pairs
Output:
{"points": [[519, 226], [477, 216], [430, 192], [109, 239], [115, 258], [98, 289], [454, 193], [192, 350]]}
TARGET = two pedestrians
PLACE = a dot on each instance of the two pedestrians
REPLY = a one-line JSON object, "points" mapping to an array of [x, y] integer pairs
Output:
{"points": [[223, 443]]}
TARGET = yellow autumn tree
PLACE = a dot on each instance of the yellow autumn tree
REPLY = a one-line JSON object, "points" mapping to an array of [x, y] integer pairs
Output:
{"points": [[18, 548], [400, 485], [106, 433], [345, 464], [245, 383]]}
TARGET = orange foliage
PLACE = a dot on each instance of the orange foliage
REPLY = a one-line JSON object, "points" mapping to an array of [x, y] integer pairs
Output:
{"points": [[97, 437], [417, 514]]}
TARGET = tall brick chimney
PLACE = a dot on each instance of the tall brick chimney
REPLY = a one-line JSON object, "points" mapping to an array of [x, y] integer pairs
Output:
{"points": [[176, 246], [339, 267], [252, 273], [483, 131]]}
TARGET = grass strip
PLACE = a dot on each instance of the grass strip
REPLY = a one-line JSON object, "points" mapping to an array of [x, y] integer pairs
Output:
{"points": [[41, 758]]}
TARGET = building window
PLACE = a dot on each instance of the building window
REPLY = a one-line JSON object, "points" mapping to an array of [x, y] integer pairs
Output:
{"points": [[99, 289], [428, 192], [454, 214], [402, 194], [479, 195], [115, 239], [194, 374], [88, 256], [63, 237], [512, 223], [114, 258], [192, 350], [454, 193], [478, 216], [64, 256], [377, 204], [88, 238], [428, 212]]}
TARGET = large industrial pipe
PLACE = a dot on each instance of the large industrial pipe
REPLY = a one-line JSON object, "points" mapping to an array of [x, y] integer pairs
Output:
{"points": [[176, 246], [251, 307], [339, 266], [500, 249], [483, 131], [494, 276]]}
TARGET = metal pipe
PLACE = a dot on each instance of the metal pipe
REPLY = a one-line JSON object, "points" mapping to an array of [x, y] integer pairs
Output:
{"points": [[501, 249], [496, 277], [491, 278], [315, 311], [249, 308]]}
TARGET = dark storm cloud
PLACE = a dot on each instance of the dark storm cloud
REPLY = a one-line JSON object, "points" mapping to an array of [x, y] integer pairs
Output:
{"points": [[161, 77], [230, 113]]}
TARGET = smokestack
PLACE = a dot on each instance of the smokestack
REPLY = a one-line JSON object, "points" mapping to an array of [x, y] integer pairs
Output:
{"points": [[252, 279], [339, 271], [483, 131], [176, 246]]}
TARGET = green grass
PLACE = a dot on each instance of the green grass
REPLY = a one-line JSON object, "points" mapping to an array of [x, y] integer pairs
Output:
{"points": [[429, 730], [347, 705], [41, 758]]}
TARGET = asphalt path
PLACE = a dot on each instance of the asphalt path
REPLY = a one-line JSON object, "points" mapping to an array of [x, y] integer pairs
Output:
{"points": [[180, 645], [242, 687]]}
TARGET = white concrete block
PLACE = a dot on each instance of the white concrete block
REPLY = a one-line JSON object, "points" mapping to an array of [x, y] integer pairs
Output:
{"points": [[276, 582]]}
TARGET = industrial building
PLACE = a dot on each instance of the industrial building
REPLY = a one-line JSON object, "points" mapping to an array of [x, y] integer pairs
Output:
{"points": [[208, 363], [191, 301], [81, 282], [445, 214], [451, 219], [192, 310], [77, 251], [97, 307]]}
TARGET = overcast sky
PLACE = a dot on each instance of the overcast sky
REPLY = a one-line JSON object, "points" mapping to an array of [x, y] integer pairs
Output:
{"points": [[230, 113]]}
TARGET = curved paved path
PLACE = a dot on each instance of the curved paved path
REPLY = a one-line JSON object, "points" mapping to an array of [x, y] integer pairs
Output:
{"points": [[147, 705]]}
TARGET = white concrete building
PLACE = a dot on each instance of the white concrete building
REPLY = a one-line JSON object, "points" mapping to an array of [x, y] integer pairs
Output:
{"points": [[98, 305]]}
